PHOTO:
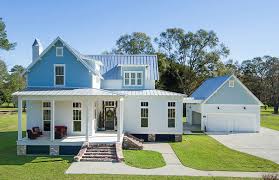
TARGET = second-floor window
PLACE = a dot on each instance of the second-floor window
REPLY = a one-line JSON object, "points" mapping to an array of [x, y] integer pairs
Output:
{"points": [[59, 51], [133, 78], [59, 72]]}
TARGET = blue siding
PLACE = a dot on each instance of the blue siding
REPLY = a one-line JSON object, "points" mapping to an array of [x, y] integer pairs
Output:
{"points": [[232, 95], [42, 73]]}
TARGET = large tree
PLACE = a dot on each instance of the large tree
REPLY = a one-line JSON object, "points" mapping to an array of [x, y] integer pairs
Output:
{"points": [[4, 42], [200, 53], [3, 80], [135, 43]]}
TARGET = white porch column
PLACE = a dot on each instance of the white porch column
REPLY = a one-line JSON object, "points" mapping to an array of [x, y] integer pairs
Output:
{"points": [[87, 122], [52, 125], [19, 107], [120, 122]]}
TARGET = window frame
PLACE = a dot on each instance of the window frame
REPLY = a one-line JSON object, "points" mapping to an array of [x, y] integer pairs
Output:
{"points": [[62, 51], [130, 78], [170, 107], [142, 117], [79, 119], [231, 83], [64, 76], [49, 120]]}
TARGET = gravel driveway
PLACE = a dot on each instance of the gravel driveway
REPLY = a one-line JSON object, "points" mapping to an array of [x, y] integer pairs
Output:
{"points": [[264, 144]]}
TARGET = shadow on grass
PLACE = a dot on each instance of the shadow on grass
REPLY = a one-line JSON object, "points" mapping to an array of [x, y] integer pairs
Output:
{"points": [[8, 152]]}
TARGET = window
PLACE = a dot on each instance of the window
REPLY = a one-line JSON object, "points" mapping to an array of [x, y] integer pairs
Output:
{"points": [[133, 78], [77, 117], [231, 83], [46, 116], [109, 103], [59, 79], [171, 114], [59, 51], [144, 114]]}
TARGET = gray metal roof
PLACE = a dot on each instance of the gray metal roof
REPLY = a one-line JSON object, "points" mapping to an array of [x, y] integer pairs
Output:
{"points": [[92, 92], [65, 92], [111, 63], [148, 92]]}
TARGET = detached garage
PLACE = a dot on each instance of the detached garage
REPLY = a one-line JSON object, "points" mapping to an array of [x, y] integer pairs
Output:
{"points": [[226, 105]]}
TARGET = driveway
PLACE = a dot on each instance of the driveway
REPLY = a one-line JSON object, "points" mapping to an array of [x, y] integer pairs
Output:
{"points": [[264, 144]]}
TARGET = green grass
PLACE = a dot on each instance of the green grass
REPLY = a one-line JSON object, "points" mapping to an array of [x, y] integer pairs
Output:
{"points": [[205, 153], [144, 159], [46, 167], [270, 121], [268, 111]]}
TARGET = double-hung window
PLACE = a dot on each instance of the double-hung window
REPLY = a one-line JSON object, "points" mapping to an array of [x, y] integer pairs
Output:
{"points": [[171, 114], [144, 114], [133, 78], [76, 116], [59, 72], [59, 51], [46, 116]]}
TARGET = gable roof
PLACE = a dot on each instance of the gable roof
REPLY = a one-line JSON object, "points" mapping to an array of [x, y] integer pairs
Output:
{"points": [[111, 64], [212, 85], [208, 87], [81, 58]]}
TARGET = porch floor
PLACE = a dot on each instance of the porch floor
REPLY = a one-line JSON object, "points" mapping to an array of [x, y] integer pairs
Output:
{"points": [[99, 137]]}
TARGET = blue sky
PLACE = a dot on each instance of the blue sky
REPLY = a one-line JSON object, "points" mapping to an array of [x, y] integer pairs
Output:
{"points": [[249, 28]]}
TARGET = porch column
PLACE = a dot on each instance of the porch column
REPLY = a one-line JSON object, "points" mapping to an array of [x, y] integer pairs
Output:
{"points": [[52, 125], [19, 109], [87, 122], [120, 122]]}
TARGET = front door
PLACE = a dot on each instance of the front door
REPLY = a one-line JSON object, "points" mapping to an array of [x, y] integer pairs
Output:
{"points": [[109, 118]]}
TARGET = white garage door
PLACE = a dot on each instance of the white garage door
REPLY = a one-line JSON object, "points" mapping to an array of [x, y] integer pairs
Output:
{"points": [[231, 122]]}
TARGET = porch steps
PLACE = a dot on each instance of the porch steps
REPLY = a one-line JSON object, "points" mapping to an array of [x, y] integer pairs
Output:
{"points": [[100, 153]]}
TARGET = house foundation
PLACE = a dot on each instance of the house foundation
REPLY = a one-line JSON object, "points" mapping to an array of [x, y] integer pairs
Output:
{"points": [[152, 137], [178, 138], [54, 150]]}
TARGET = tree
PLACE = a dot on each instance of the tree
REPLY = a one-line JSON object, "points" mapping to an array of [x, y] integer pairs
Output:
{"points": [[200, 53], [3, 80], [135, 43], [4, 42]]}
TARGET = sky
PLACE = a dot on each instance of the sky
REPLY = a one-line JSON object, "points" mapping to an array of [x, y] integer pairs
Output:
{"points": [[249, 28]]}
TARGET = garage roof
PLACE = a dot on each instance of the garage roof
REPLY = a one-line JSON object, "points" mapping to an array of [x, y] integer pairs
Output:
{"points": [[208, 87]]}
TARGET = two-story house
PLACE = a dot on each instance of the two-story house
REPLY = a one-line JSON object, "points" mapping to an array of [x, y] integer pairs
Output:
{"points": [[74, 98]]}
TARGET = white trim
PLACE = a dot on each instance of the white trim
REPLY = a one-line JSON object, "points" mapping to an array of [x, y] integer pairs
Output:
{"points": [[54, 76], [136, 78], [81, 110], [62, 52], [175, 113], [148, 111], [133, 65]]}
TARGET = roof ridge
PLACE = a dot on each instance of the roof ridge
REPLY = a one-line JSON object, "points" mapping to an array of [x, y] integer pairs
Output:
{"points": [[120, 55]]}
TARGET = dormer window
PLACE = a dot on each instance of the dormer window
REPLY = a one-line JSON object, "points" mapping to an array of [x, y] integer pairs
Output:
{"points": [[59, 51], [231, 83], [133, 78]]}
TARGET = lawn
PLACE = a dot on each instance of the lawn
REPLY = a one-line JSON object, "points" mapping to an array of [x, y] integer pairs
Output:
{"points": [[45, 167], [268, 119], [205, 153], [144, 159]]}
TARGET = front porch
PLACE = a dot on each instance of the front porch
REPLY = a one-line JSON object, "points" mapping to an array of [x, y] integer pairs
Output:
{"points": [[93, 116], [99, 137]]}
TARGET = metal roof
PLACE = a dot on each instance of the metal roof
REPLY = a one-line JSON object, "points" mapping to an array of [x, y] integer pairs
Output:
{"points": [[148, 92], [65, 92], [208, 87], [111, 62]]}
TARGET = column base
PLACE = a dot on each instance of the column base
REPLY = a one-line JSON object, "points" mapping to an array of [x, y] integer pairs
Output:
{"points": [[152, 137], [53, 150], [21, 150], [178, 138]]}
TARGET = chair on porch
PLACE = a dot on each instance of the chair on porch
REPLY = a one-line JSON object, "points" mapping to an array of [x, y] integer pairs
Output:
{"points": [[31, 134], [60, 132], [37, 130]]}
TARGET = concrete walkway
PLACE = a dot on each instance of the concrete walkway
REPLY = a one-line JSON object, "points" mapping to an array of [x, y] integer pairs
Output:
{"points": [[264, 144], [173, 166]]}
